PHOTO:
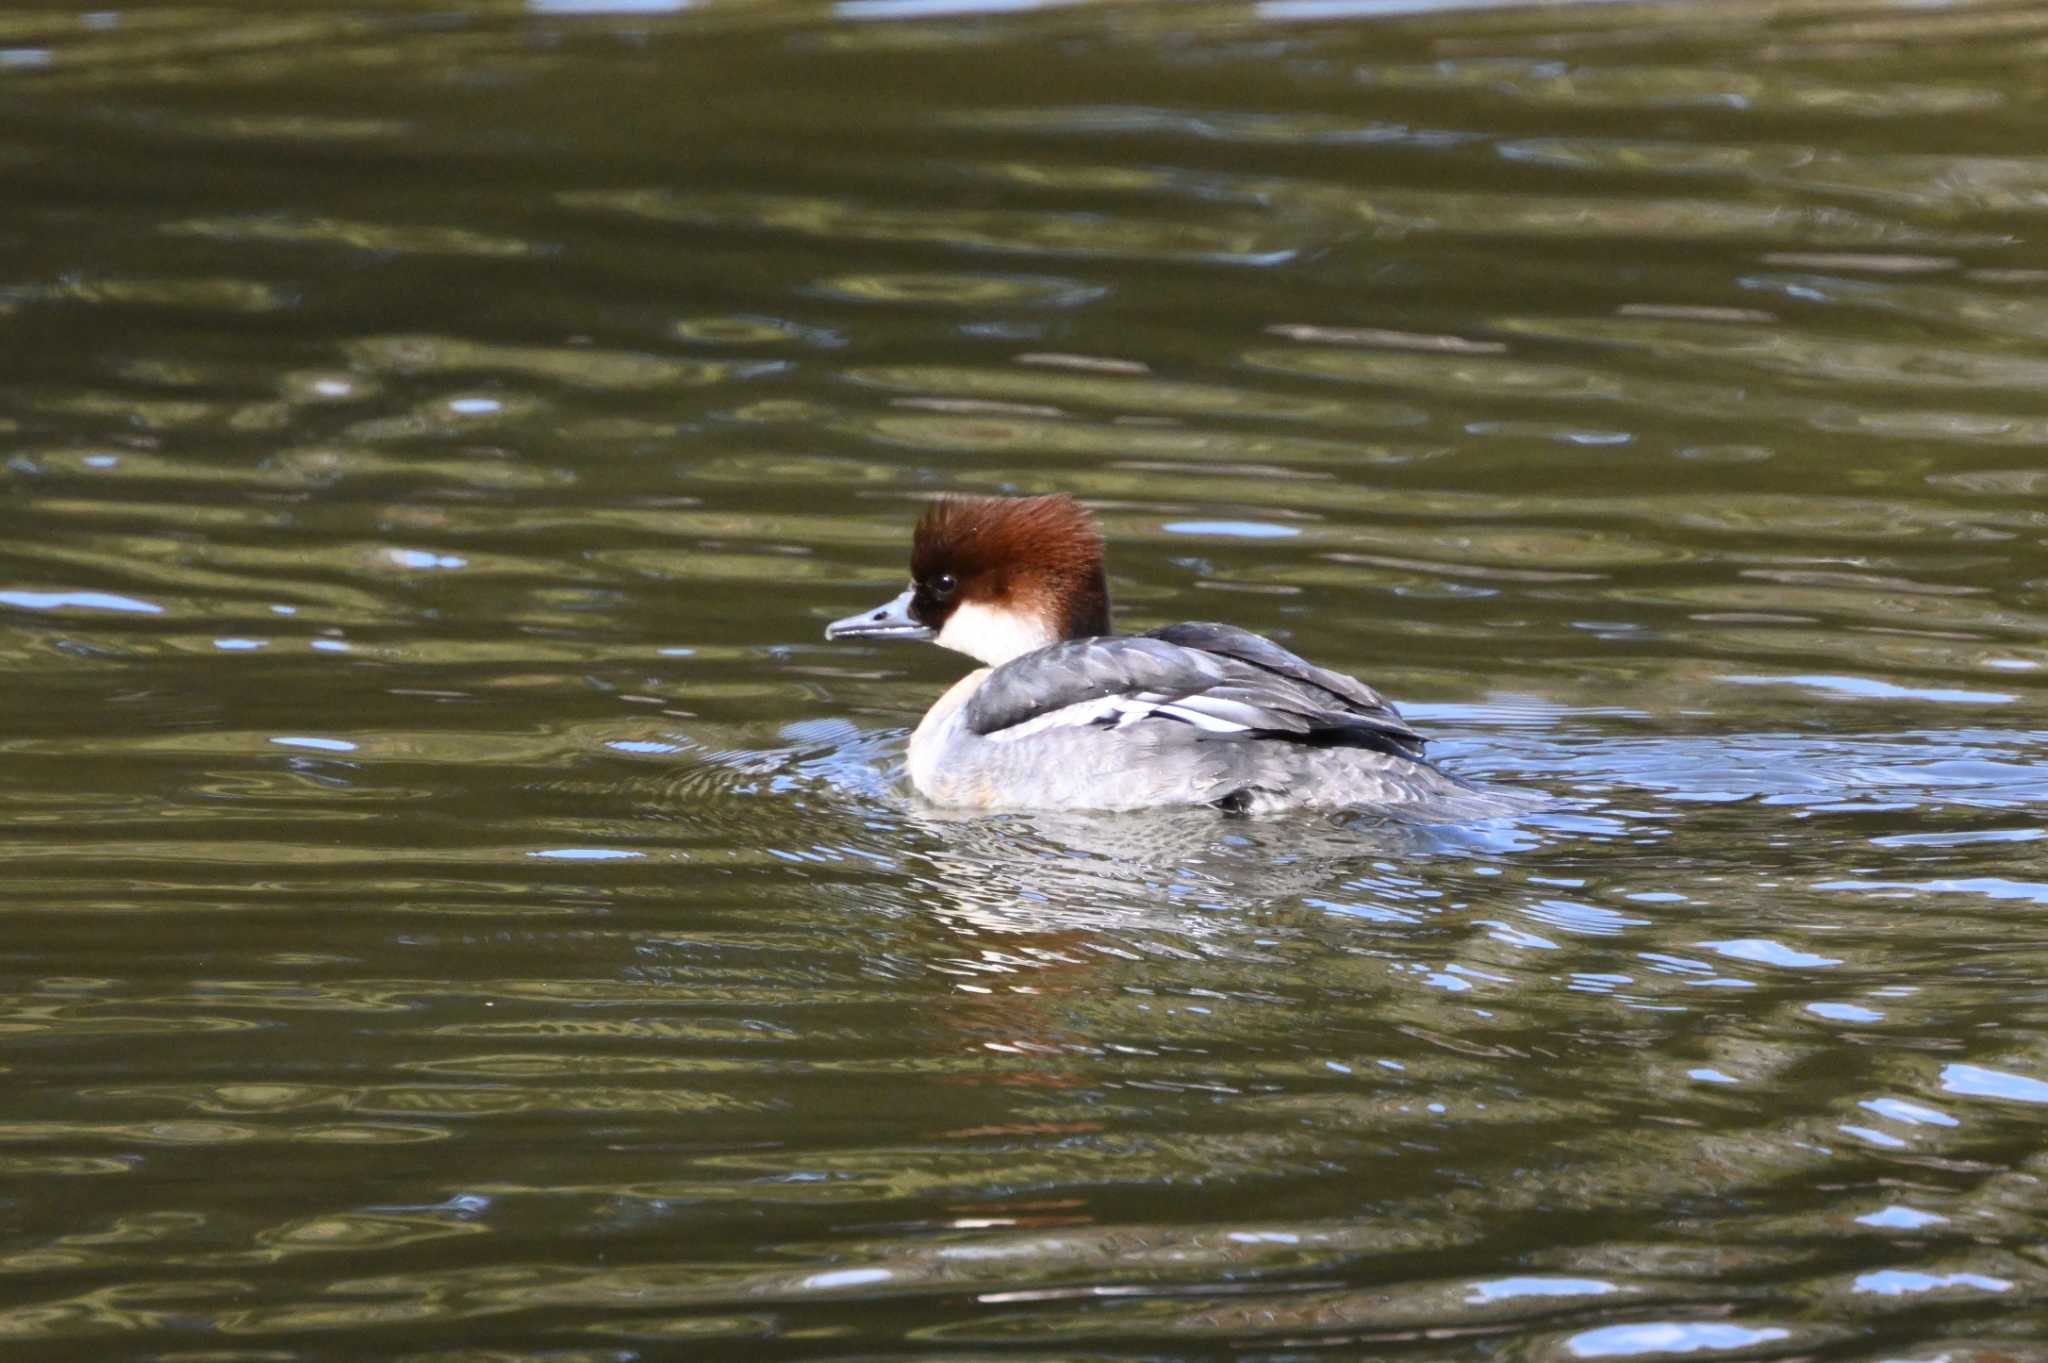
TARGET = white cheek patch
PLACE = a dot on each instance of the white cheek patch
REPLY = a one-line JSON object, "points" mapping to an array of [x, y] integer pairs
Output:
{"points": [[994, 635]]}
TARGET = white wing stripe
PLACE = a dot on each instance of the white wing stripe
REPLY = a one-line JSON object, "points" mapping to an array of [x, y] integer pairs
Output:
{"points": [[1066, 717], [1215, 724], [1127, 710]]}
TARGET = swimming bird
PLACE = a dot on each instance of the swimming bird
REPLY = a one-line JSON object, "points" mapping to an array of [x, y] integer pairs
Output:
{"points": [[1066, 714]]}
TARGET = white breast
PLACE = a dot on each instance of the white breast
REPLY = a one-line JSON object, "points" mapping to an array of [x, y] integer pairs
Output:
{"points": [[928, 744]]}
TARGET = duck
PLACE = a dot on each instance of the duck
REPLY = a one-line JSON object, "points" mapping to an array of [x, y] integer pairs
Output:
{"points": [[1064, 713]]}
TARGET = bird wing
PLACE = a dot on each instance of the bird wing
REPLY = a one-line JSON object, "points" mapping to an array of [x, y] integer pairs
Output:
{"points": [[1223, 682]]}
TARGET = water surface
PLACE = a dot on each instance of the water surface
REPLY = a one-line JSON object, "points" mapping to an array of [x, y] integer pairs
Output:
{"points": [[456, 907]]}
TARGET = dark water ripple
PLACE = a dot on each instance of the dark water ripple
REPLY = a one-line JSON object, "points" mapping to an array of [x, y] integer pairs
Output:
{"points": [[457, 907]]}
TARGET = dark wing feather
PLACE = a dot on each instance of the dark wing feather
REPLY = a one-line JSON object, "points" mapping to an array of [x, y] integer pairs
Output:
{"points": [[1261, 652], [1082, 670], [1362, 707], [1213, 675]]}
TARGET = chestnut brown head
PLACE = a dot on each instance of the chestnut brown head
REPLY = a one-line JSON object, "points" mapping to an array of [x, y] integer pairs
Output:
{"points": [[997, 577]]}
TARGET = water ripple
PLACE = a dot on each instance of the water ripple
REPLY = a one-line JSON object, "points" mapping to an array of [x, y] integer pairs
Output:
{"points": [[458, 905]]}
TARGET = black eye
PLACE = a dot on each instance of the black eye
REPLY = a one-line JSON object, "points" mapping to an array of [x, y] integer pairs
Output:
{"points": [[944, 585]]}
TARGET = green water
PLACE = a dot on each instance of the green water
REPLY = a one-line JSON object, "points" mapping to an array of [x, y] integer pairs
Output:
{"points": [[455, 907]]}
